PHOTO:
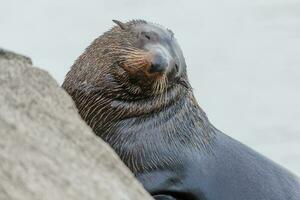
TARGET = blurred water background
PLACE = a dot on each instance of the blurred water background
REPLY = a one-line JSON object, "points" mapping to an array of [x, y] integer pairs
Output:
{"points": [[242, 56]]}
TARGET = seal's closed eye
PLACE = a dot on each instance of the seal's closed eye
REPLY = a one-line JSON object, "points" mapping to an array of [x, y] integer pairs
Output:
{"points": [[146, 35], [150, 35]]}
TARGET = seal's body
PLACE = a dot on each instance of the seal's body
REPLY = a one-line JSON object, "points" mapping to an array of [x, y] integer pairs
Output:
{"points": [[232, 172], [131, 87]]}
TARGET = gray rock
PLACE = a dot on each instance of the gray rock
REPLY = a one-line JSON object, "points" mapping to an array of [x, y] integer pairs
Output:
{"points": [[46, 150]]}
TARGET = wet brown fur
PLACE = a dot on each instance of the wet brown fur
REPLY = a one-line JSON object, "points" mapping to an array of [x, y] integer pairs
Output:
{"points": [[117, 97]]}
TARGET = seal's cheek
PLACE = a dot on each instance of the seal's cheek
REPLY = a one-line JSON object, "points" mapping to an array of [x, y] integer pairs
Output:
{"points": [[137, 62]]}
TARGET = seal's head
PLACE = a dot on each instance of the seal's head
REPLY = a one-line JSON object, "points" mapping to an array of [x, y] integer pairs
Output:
{"points": [[143, 58], [148, 55]]}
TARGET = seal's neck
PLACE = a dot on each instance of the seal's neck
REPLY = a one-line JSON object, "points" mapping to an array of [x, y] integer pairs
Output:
{"points": [[111, 116]]}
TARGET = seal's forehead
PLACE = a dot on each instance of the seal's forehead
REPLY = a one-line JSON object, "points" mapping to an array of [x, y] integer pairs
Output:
{"points": [[149, 27]]}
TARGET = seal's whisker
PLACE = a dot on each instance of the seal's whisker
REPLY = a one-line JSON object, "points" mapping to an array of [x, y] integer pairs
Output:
{"points": [[132, 53], [133, 60], [130, 59], [128, 48], [136, 64], [132, 50], [134, 56]]}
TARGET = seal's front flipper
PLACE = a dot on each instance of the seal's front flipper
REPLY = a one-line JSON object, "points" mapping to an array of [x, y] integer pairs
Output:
{"points": [[163, 197]]}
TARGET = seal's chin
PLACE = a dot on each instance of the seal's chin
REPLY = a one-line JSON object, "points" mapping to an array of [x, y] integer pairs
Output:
{"points": [[149, 85]]}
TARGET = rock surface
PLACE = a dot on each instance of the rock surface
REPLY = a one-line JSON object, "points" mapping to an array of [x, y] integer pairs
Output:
{"points": [[46, 150]]}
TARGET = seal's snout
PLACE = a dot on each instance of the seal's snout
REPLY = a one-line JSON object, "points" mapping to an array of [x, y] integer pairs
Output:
{"points": [[158, 64]]}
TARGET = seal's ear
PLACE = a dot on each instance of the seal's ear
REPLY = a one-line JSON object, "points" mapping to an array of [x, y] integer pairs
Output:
{"points": [[120, 24]]}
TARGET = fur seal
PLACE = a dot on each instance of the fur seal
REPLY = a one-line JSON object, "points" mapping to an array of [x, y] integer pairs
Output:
{"points": [[131, 86]]}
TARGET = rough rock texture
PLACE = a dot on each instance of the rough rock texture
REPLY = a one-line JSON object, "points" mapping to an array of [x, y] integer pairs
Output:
{"points": [[46, 150]]}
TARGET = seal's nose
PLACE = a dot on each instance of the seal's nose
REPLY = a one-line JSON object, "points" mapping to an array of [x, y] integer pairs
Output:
{"points": [[158, 64]]}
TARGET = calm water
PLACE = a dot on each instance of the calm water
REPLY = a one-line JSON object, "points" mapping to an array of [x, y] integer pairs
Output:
{"points": [[243, 56]]}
